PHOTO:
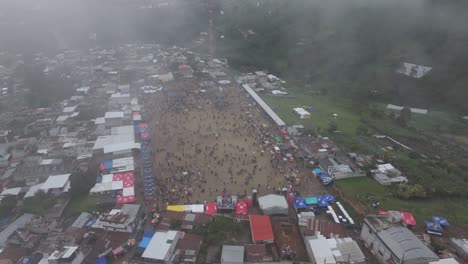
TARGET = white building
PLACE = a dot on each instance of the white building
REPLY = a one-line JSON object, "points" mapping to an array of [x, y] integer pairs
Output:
{"points": [[333, 250], [83, 90], [12, 191], [57, 184], [162, 246], [342, 171], [67, 254], [166, 77], [113, 119], [120, 98], [413, 70], [302, 113]]}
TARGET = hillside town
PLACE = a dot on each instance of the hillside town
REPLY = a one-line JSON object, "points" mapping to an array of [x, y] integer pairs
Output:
{"points": [[164, 155]]}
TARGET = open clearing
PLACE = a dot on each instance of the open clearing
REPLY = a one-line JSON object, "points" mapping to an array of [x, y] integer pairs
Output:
{"points": [[213, 142]]}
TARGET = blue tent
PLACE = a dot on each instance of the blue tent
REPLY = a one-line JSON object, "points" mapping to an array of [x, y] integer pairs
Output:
{"points": [[329, 198], [433, 227], [322, 201], [327, 179], [299, 203], [440, 220], [148, 233], [317, 171]]}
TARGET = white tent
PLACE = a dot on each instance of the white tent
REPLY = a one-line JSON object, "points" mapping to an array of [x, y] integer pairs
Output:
{"points": [[302, 113], [272, 204]]}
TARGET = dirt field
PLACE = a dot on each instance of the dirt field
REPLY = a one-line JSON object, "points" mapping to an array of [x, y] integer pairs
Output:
{"points": [[211, 142]]}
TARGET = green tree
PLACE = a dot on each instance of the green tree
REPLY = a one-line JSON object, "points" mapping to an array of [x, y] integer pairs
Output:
{"points": [[405, 117], [7, 204], [81, 182], [38, 204], [332, 127]]}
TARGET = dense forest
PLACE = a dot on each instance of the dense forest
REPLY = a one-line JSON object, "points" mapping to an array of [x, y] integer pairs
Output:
{"points": [[350, 48]]}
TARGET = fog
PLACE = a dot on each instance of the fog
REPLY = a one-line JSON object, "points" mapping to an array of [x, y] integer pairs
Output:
{"points": [[329, 44]]}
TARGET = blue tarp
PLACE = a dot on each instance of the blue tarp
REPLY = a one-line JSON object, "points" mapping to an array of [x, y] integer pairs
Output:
{"points": [[327, 179], [299, 203], [328, 198], [108, 164], [99, 179], [144, 242], [101, 260], [91, 222], [440, 220], [434, 227], [317, 171], [148, 233]]}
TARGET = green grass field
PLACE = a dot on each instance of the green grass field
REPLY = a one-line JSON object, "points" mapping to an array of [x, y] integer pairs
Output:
{"points": [[359, 189], [321, 115]]}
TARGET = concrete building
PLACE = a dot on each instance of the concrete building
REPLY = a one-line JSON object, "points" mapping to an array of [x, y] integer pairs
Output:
{"points": [[389, 241], [232, 254], [67, 254], [461, 245], [162, 246], [57, 184], [121, 220], [324, 250], [120, 98], [112, 119], [20, 222], [301, 113]]}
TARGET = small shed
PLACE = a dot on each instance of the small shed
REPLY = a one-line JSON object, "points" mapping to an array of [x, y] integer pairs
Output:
{"points": [[302, 113], [232, 254]]}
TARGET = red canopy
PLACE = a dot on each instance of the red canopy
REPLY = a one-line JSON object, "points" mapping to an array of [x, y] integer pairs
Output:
{"points": [[408, 219], [261, 229], [184, 66], [382, 212], [143, 125], [242, 208], [211, 208], [284, 131], [145, 135], [136, 113], [125, 199]]}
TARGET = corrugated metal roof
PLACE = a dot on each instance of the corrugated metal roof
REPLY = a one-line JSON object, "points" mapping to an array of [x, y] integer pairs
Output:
{"points": [[232, 254], [404, 244], [263, 105], [18, 223]]}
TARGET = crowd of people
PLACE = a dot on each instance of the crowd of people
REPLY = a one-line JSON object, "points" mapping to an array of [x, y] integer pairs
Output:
{"points": [[211, 142]]}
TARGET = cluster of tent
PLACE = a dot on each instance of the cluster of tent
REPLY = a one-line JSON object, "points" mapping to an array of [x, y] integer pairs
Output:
{"points": [[435, 227], [325, 177], [406, 218], [242, 208], [320, 201], [121, 184], [149, 183]]}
